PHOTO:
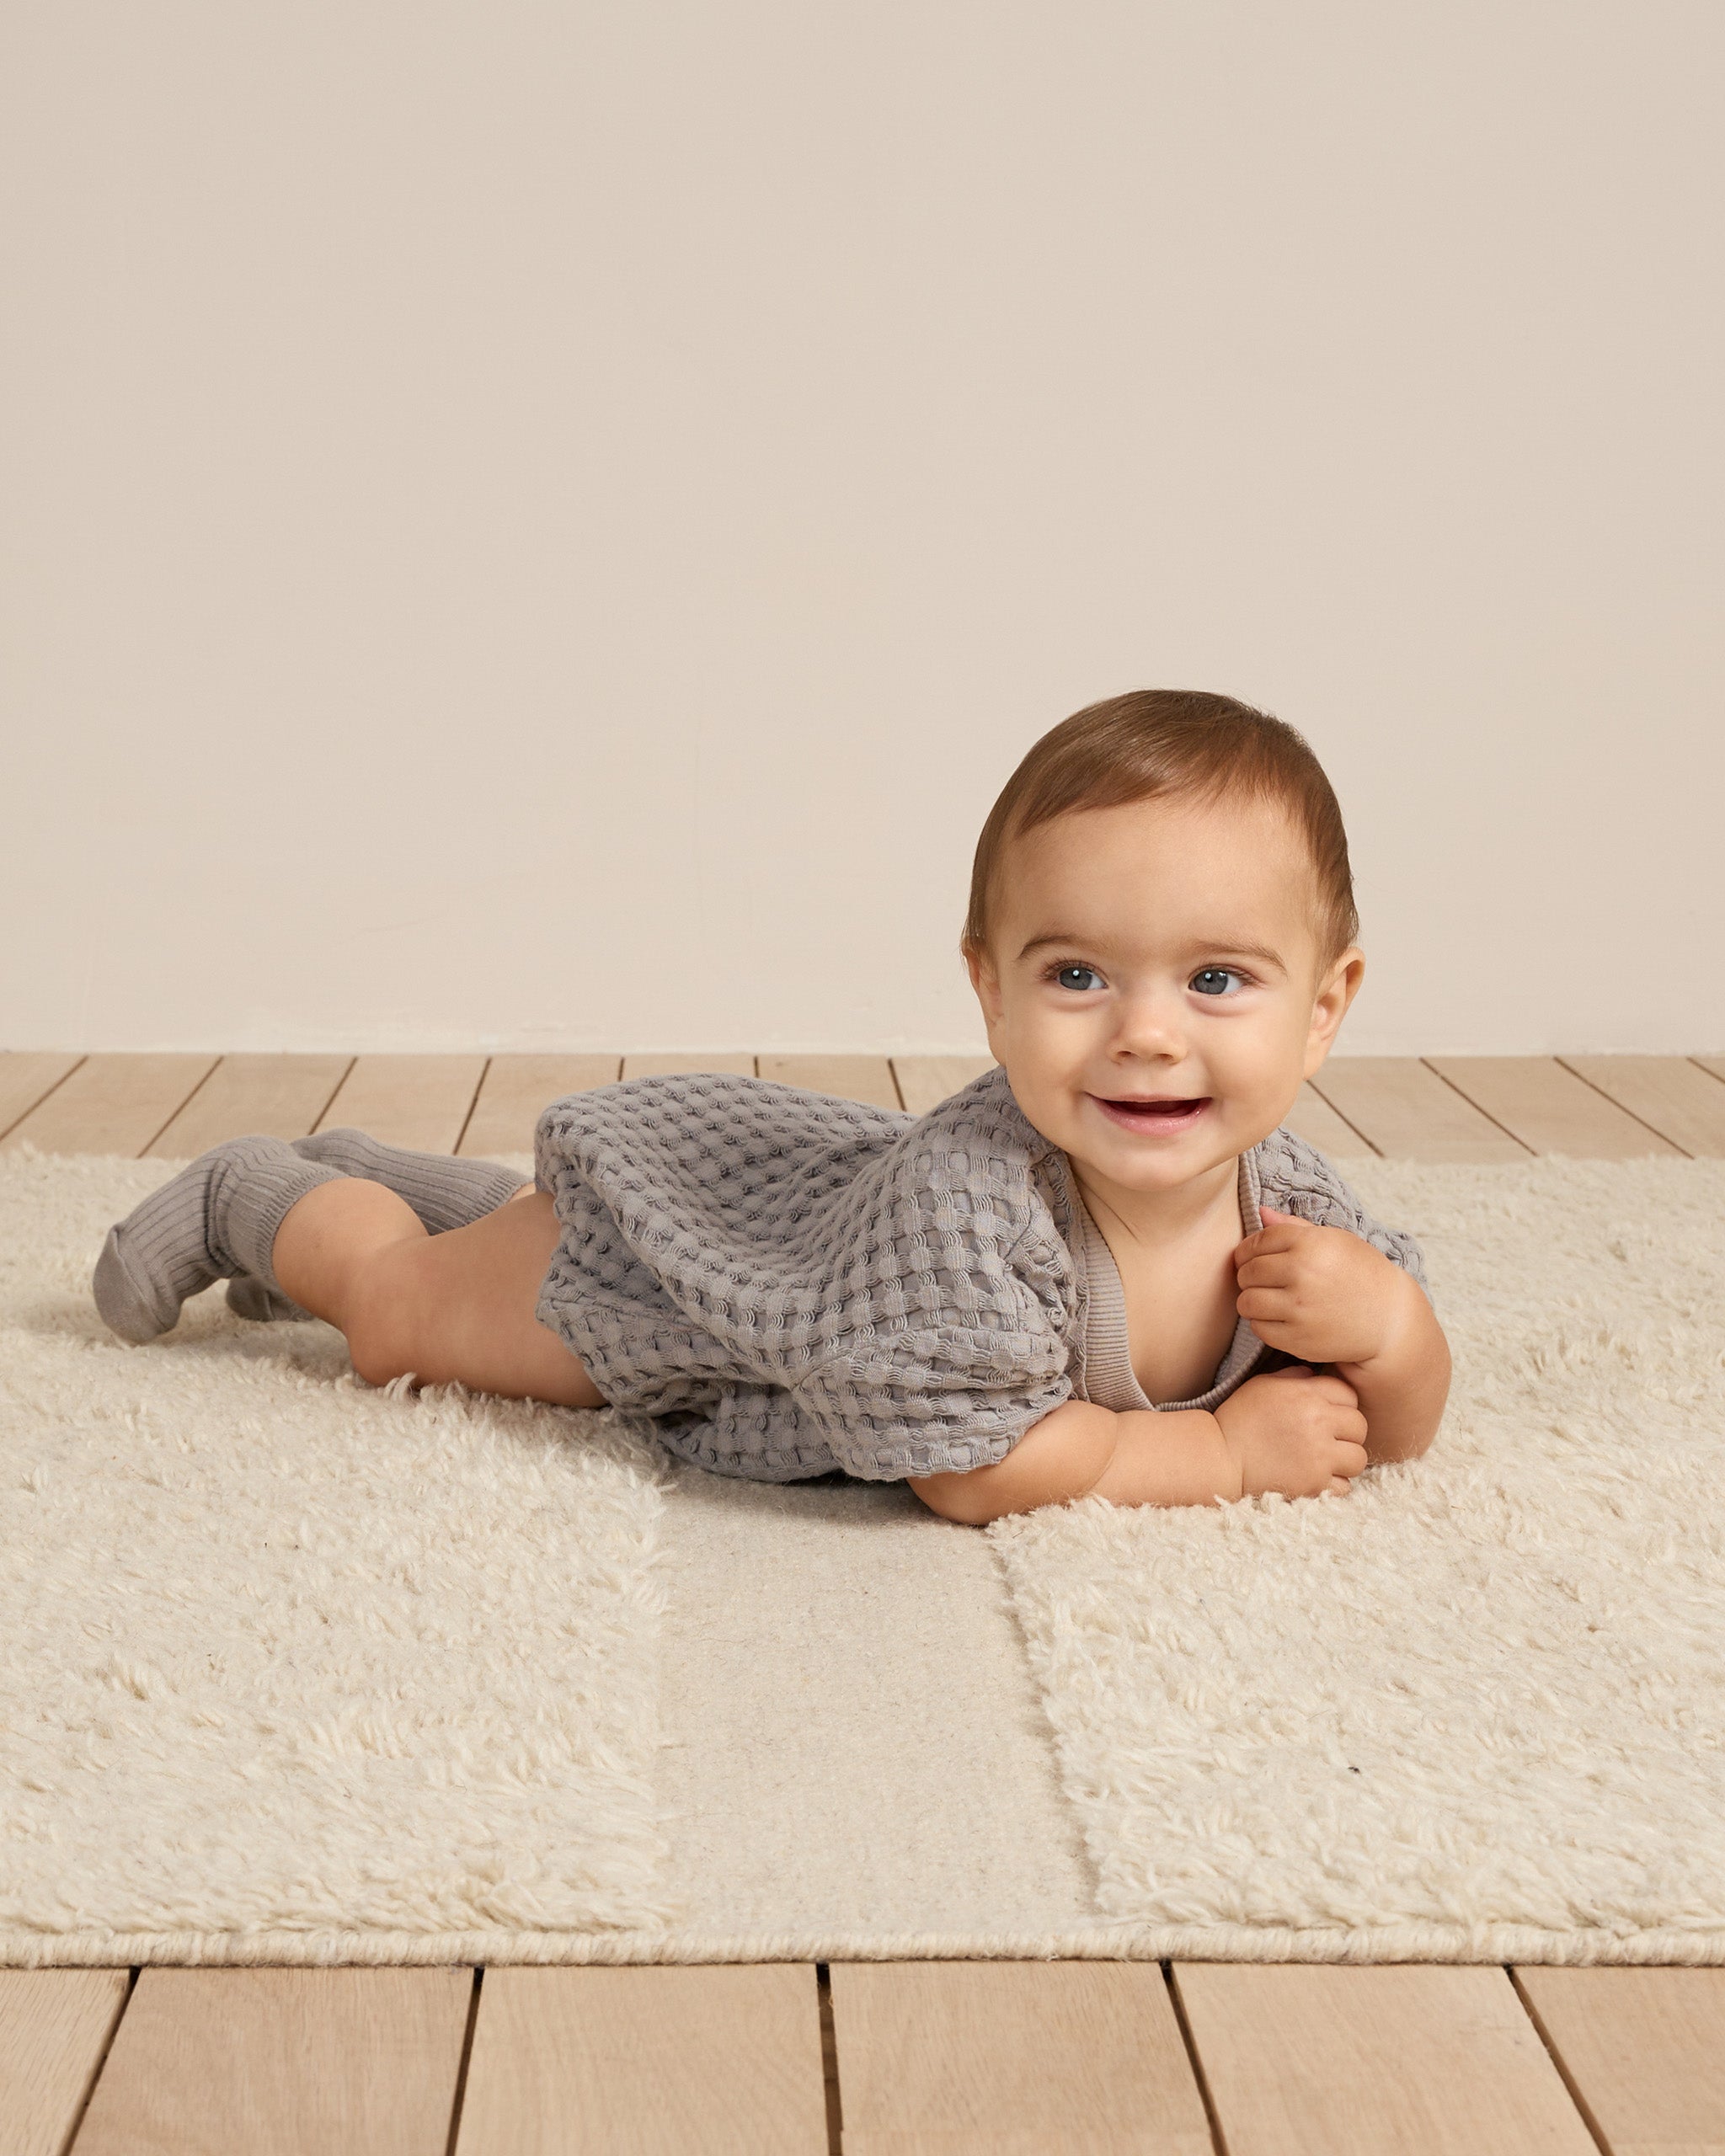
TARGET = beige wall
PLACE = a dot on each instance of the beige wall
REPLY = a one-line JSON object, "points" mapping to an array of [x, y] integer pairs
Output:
{"points": [[547, 525]]}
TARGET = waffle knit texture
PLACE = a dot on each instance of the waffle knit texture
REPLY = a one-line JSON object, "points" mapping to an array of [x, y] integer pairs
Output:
{"points": [[795, 1285]]}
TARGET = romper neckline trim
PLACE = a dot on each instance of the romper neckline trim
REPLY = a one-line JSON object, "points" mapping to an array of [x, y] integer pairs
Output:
{"points": [[1109, 1380]]}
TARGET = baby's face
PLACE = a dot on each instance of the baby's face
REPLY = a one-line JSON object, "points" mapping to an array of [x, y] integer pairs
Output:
{"points": [[1153, 984]]}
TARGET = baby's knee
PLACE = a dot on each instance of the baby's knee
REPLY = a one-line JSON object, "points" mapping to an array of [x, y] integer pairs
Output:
{"points": [[381, 1319]]}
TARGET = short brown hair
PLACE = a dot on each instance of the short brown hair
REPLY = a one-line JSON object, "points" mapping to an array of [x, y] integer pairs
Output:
{"points": [[1171, 741]]}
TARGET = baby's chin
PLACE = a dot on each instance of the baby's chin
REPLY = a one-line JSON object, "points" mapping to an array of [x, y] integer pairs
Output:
{"points": [[1130, 1168]]}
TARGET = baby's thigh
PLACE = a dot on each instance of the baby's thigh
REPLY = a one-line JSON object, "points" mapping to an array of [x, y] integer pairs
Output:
{"points": [[465, 1301]]}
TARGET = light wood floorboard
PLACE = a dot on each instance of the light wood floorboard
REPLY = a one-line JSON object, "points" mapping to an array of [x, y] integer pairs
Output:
{"points": [[1312, 1119], [1715, 1064], [1013, 2058], [111, 1104], [27, 1077], [1417, 2059], [1406, 1111], [1680, 1100], [1643, 2049], [866, 1078], [517, 1088], [418, 1100], [926, 1080], [646, 2062], [689, 1062], [55, 2024], [282, 1096], [1549, 1108], [282, 2062], [955, 2058]]}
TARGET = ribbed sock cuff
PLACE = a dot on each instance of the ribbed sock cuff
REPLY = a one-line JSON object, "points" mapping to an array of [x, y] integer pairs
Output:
{"points": [[251, 1193], [444, 1191]]}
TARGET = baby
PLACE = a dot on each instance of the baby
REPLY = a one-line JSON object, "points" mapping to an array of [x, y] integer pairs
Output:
{"points": [[1105, 1268]]}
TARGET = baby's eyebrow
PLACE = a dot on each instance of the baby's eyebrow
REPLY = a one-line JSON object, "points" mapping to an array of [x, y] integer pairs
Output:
{"points": [[1261, 952], [1222, 948]]}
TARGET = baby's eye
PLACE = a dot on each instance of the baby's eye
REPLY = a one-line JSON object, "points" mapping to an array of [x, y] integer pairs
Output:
{"points": [[1213, 980], [1077, 977]]}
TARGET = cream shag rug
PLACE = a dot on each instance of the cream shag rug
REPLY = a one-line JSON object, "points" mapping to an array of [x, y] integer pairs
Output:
{"points": [[295, 1670]]}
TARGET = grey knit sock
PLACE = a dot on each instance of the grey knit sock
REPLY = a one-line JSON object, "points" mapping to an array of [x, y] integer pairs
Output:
{"points": [[216, 1217], [446, 1193]]}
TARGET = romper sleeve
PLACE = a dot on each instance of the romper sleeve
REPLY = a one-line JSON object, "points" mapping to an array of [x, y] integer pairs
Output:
{"points": [[1296, 1178], [959, 1389], [939, 1402]]}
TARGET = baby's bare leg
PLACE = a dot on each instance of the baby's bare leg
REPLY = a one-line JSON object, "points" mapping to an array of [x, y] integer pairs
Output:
{"points": [[457, 1307]]}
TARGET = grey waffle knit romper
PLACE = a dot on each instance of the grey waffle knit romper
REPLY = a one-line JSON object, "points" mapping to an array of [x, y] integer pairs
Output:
{"points": [[793, 1284]]}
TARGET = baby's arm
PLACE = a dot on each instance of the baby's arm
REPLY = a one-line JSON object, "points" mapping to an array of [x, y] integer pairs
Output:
{"points": [[1081, 1448], [1322, 1295], [1327, 1296], [1289, 1432]]}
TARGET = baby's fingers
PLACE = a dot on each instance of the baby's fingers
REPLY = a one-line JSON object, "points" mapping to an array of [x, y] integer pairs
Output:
{"points": [[1350, 1459], [1330, 1387], [1281, 1231]]}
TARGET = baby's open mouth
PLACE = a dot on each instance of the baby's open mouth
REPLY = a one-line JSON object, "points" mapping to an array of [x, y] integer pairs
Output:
{"points": [[1153, 1115]]}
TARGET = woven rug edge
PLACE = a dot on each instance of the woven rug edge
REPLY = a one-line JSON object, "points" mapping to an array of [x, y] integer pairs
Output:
{"points": [[1490, 1943]]}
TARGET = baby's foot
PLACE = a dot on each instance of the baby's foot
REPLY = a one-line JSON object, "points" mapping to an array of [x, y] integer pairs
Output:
{"points": [[215, 1218]]}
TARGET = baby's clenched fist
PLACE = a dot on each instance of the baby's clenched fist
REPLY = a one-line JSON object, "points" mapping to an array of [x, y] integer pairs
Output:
{"points": [[1293, 1432], [1321, 1293]]}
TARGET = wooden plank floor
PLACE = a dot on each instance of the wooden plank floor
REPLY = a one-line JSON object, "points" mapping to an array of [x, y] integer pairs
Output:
{"points": [[959, 2058], [878, 2059], [1477, 1108]]}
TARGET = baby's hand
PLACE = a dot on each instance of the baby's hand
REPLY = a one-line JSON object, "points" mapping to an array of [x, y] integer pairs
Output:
{"points": [[1317, 1293], [1293, 1432]]}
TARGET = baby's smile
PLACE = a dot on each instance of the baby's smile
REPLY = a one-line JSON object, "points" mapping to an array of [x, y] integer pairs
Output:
{"points": [[1153, 1116]]}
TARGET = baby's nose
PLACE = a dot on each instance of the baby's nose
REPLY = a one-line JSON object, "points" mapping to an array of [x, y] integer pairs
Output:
{"points": [[1151, 1025]]}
